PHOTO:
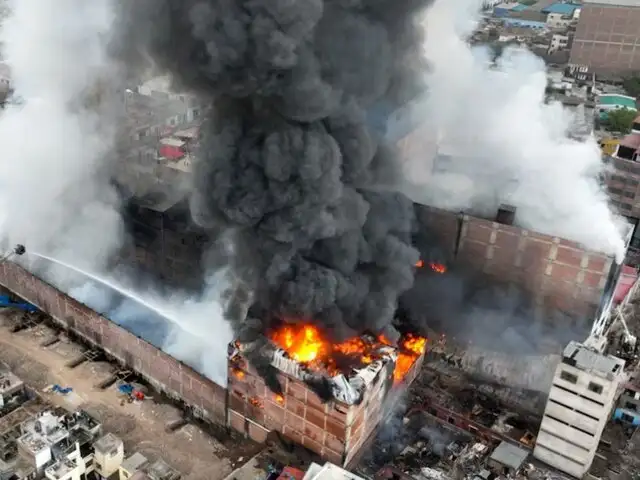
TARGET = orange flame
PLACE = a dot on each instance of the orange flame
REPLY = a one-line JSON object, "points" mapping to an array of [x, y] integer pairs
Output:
{"points": [[279, 399], [305, 344], [255, 401], [411, 347], [238, 373], [438, 267], [419, 264]]}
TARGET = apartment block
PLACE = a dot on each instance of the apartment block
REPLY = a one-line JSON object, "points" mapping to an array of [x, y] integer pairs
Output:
{"points": [[581, 399], [623, 175]]}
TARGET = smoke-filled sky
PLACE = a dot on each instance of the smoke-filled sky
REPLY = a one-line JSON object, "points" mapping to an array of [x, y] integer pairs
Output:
{"points": [[287, 162], [507, 145], [288, 169], [53, 192]]}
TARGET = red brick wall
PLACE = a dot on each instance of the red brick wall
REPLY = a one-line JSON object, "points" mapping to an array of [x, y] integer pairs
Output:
{"points": [[335, 431], [559, 273], [605, 38], [160, 369]]}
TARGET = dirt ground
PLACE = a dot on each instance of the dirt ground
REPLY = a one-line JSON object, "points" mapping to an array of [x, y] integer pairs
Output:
{"points": [[141, 425]]}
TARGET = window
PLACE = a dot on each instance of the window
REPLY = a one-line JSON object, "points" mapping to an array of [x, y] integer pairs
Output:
{"points": [[626, 418], [595, 388], [629, 194], [615, 191], [451, 420], [631, 181], [568, 377], [631, 406]]}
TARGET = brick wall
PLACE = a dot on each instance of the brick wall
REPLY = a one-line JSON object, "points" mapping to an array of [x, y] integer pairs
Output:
{"points": [[335, 431], [161, 370], [605, 38], [557, 272]]}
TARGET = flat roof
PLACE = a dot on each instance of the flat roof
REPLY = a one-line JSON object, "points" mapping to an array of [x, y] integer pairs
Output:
{"points": [[509, 455], [585, 359], [134, 462], [562, 8]]}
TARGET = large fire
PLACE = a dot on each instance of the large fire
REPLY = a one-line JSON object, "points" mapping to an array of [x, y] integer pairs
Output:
{"points": [[305, 344]]}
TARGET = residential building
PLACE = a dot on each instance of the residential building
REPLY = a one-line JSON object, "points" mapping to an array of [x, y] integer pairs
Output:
{"points": [[559, 21], [519, 22], [628, 408], [611, 101], [504, 9], [623, 177], [607, 39], [10, 388], [108, 455], [525, 18], [580, 403], [558, 42], [566, 9], [55, 447], [609, 145]]}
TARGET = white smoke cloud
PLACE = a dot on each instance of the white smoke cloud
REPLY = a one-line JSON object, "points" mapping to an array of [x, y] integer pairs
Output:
{"points": [[54, 194], [505, 144], [190, 329]]}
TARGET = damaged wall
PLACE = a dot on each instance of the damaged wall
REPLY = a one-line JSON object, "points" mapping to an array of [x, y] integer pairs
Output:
{"points": [[336, 431], [557, 273], [164, 372]]}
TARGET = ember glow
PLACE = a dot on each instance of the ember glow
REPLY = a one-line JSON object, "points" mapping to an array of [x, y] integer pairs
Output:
{"points": [[305, 344], [438, 267]]}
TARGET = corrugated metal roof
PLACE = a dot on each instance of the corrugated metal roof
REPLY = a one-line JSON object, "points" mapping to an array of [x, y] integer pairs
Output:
{"points": [[561, 8]]}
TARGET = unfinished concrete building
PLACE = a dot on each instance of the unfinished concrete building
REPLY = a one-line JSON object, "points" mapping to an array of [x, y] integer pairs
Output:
{"points": [[581, 399]]}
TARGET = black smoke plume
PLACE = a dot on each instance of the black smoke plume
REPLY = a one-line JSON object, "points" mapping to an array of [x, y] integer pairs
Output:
{"points": [[287, 161]]}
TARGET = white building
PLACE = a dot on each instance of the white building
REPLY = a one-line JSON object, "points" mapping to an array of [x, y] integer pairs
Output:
{"points": [[559, 20], [57, 448], [580, 403], [558, 42]]}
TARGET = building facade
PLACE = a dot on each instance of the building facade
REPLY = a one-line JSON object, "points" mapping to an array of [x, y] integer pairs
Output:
{"points": [[623, 177], [580, 402], [607, 37]]}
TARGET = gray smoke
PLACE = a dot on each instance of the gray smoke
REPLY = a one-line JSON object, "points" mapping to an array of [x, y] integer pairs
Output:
{"points": [[287, 162]]}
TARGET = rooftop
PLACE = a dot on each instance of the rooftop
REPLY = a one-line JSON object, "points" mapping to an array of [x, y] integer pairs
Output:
{"points": [[562, 8], [61, 468], [134, 463], [9, 382], [328, 471], [509, 455], [631, 141], [583, 358], [160, 470], [107, 444]]}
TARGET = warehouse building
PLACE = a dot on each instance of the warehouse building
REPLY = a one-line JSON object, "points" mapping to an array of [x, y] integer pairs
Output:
{"points": [[607, 39]]}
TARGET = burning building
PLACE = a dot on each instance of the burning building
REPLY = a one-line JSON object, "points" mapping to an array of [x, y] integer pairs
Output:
{"points": [[332, 396]]}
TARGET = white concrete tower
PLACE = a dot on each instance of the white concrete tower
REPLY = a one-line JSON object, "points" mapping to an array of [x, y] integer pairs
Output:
{"points": [[580, 402]]}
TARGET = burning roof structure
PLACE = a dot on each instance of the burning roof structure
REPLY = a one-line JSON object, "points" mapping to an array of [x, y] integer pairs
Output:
{"points": [[329, 397]]}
